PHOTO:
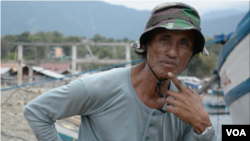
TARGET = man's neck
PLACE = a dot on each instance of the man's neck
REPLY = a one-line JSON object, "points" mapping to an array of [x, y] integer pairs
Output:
{"points": [[144, 82]]}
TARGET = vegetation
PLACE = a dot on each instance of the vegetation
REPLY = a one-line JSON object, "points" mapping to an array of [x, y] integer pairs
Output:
{"points": [[201, 66]]}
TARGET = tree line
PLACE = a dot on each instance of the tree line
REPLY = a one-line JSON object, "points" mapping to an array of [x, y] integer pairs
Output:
{"points": [[201, 67]]}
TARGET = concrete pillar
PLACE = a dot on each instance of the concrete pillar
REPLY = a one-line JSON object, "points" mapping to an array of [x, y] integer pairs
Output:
{"points": [[20, 63], [73, 63], [79, 68], [87, 67], [128, 55], [30, 74], [114, 53]]}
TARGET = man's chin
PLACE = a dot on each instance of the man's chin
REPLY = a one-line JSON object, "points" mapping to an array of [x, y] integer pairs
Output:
{"points": [[164, 75], [163, 72]]}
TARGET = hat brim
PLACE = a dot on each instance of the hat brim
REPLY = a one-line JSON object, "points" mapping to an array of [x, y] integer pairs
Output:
{"points": [[200, 40]]}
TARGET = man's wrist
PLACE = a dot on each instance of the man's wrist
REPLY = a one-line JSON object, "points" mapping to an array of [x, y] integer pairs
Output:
{"points": [[206, 130], [202, 128]]}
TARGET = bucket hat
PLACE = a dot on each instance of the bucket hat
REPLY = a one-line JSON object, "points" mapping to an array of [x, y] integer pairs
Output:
{"points": [[174, 16]]}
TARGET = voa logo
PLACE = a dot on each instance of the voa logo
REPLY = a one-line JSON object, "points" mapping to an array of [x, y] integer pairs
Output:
{"points": [[236, 132]]}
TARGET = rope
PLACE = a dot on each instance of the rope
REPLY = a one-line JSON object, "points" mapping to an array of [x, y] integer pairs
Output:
{"points": [[159, 82]]}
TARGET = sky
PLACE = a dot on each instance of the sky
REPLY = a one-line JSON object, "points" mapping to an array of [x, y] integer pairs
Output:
{"points": [[202, 6]]}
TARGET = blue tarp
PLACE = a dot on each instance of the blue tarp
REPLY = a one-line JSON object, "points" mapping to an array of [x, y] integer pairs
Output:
{"points": [[242, 30]]}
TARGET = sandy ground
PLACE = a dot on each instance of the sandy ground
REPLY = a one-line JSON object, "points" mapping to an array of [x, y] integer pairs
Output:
{"points": [[14, 126]]}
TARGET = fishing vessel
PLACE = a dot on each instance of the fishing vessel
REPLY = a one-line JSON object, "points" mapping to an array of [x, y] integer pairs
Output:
{"points": [[233, 68], [66, 134]]}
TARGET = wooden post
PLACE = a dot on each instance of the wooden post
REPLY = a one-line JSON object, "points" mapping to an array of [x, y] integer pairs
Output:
{"points": [[128, 55], [30, 74], [73, 64], [114, 53], [212, 80], [20, 63], [79, 68]]}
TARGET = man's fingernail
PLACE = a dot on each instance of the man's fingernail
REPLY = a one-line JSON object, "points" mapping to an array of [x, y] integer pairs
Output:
{"points": [[170, 74]]}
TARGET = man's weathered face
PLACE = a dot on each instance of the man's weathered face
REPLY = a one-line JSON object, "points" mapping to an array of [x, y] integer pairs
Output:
{"points": [[169, 51]]}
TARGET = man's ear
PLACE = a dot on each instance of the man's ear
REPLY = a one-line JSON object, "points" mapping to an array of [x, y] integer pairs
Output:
{"points": [[143, 47]]}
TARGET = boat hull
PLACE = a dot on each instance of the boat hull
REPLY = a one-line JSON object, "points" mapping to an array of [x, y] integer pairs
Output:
{"points": [[234, 75], [239, 110]]}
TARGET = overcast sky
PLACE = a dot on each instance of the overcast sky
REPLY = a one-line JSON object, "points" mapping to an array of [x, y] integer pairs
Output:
{"points": [[202, 6]]}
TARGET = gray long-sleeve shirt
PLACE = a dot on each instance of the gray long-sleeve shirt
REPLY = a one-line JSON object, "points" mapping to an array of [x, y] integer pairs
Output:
{"points": [[110, 111]]}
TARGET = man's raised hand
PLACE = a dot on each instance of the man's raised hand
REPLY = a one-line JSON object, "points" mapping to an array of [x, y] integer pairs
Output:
{"points": [[187, 105]]}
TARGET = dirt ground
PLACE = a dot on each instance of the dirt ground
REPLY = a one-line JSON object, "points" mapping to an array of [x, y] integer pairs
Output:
{"points": [[14, 126]]}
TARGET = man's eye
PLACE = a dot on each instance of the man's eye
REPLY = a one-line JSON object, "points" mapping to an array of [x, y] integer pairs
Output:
{"points": [[184, 43], [164, 39]]}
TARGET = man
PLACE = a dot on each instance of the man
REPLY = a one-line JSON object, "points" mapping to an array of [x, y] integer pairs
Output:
{"points": [[143, 102]]}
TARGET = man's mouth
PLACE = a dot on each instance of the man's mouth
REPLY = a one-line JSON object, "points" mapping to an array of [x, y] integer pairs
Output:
{"points": [[170, 64]]}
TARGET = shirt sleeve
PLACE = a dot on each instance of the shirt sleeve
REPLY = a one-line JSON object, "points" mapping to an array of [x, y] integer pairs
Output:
{"points": [[208, 136], [62, 102]]}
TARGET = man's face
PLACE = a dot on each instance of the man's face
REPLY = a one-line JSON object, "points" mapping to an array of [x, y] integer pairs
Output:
{"points": [[169, 51]]}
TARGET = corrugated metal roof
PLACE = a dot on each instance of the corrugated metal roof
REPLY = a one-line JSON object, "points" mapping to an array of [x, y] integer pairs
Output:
{"points": [[55, 67], [48, 72], [5, 69], [14, 66]]}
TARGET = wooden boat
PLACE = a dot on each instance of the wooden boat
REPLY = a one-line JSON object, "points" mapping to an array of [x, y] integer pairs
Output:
{"points": [[65, 133], [233, 69]]}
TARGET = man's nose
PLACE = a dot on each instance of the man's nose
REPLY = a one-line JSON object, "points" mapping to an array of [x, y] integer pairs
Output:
{"points": [[172, 49]]}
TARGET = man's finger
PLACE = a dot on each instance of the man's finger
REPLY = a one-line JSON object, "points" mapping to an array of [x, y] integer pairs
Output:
{"points": [[171, 101], [170, 109], [175, 110], [176, 81], [191, 90], [172, 93]]}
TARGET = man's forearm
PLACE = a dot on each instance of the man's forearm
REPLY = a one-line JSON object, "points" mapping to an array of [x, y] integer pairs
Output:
{"points": [[44, 129]]}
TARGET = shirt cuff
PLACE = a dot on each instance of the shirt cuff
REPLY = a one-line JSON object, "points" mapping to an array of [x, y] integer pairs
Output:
{"points": [[210, 135]]}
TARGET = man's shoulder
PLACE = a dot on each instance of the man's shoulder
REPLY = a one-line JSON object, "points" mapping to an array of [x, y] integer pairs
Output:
{"points": [[104, 87], [106, 79], [115, 72]]}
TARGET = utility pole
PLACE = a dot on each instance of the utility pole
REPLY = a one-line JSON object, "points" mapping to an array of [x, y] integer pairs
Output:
{"points": [[128, 55], [73, 67], [30, 74], [20, 63]]}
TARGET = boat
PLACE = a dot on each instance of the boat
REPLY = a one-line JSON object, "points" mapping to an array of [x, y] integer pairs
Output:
{"points": [[233, 69], [66, 134], [211, 104]]}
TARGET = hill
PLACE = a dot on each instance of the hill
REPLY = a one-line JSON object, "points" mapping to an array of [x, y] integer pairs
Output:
{"points": [[78, 18], [87, 18], [221, 25]]}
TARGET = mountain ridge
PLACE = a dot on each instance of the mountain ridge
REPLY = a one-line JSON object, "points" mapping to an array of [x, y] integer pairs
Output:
{"points": [[88, 18]]}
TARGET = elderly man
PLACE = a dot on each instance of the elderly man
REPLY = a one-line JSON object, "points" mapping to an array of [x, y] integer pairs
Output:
{"points": [[143, 102]]}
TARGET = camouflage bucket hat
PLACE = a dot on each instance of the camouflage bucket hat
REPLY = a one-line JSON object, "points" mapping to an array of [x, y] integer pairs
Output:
{"points": [[174, 16]]}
